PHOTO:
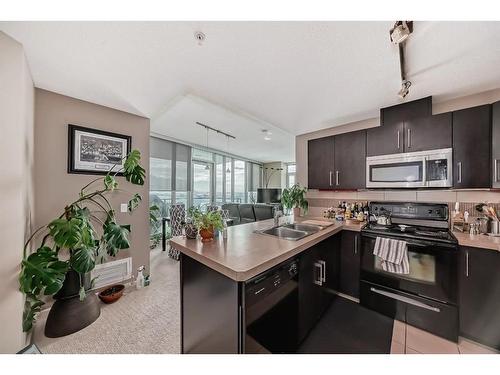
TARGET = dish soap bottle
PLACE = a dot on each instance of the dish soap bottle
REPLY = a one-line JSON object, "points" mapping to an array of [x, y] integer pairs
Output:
{"points": [[139, 282]]}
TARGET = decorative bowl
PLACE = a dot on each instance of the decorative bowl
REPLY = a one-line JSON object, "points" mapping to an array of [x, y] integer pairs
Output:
{"points": [[111, 294]]}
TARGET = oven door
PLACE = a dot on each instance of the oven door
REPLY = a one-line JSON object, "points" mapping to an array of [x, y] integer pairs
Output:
{"points": [[433, 269], [399, 170]]}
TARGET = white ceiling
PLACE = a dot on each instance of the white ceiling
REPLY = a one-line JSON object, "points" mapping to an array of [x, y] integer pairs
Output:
{"points": [[297, 76]]}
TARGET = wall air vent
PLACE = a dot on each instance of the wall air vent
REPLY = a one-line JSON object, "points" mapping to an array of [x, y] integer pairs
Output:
{"points": [[112, 272]]}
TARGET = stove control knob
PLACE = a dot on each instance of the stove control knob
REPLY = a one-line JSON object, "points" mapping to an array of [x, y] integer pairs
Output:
{"points": [[430, 212]]}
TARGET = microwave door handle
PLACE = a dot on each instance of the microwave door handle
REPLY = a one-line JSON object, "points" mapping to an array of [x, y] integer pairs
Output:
{"points": [[424, 172]]}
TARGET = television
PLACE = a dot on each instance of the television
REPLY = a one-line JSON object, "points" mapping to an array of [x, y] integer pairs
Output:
{"points": [[268, 195]]}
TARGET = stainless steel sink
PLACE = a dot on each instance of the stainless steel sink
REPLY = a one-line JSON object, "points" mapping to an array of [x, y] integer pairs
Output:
{"points": [[304, 227], [292, 232], [285, 233]]}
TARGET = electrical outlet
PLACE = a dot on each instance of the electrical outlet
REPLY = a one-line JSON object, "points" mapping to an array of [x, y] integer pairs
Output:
{"points": [[124, 207]]}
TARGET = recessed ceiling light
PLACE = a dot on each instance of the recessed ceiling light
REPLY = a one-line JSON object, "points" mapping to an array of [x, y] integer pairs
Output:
{"points": [[267, 134]]}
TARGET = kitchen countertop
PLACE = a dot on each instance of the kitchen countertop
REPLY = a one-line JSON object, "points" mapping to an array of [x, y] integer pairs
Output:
{"points": [[478, 240], [245, 254]]}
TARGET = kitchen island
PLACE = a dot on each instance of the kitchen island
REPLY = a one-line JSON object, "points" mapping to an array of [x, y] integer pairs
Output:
{"points": [[214, 277]]}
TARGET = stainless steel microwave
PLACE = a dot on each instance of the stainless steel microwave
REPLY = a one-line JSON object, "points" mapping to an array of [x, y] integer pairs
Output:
{"points": [[431, 168]]}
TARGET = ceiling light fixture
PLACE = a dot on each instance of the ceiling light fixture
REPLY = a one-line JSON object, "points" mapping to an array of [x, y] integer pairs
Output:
{"points": [[401, 31], [405, 89], [267, 134], [228, 170], [207, 167], [399, 34]]}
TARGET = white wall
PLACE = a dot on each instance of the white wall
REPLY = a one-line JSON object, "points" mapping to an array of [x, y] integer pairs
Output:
{"points": [[410, 195], [16, 188]]}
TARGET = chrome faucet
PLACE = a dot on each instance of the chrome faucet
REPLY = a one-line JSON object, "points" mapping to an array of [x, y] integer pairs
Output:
{"points": [[277, 215]]}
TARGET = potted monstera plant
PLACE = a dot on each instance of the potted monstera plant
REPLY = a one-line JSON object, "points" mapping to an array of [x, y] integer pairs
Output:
{"points": [[67, 249]]}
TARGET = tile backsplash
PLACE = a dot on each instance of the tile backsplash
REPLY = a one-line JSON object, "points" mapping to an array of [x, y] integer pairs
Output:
{"points": [[319, 200]]}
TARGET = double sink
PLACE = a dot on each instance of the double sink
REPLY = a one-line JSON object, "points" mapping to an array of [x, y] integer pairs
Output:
{"points": [[291, 232]]}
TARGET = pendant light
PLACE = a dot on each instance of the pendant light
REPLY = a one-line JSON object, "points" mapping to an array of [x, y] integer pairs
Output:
{"points": [[207, 167], [228, 170]]}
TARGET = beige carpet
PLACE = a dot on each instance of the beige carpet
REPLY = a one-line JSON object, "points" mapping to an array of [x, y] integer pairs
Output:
{"points": [[142, 321]]}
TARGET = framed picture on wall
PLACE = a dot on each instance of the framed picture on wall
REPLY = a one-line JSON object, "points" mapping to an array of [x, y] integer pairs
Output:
{"points": [[93, 151]]}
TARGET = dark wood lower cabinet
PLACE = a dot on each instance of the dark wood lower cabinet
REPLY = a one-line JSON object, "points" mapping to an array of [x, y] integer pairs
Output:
{"points": [[318, 273], [350, 263], [480, 295]]}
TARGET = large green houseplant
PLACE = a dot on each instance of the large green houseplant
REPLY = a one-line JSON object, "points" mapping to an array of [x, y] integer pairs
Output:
{"points": [[71, 244], [294, 198]]}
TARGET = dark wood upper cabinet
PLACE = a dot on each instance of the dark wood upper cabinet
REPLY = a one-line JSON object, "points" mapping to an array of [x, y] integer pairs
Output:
{"points": [[402, 112], [479, 297], [472, 147], [350, 160], [320, 163], [428, 133], [495, 152], [388, 138], [385, 139]]}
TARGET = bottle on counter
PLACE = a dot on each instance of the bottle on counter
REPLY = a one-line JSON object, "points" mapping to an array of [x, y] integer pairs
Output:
{"points": [[139, 281]]}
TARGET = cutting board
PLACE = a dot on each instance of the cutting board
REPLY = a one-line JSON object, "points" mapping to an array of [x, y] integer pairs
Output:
{"points": [[318, 222]]}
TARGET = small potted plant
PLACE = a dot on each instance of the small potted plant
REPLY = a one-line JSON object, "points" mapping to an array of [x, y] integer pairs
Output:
{"points": [[207, 223], [293, 198]]}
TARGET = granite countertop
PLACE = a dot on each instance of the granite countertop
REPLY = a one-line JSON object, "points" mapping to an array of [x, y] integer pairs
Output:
{"points": [[245, 254], [478, 240]]}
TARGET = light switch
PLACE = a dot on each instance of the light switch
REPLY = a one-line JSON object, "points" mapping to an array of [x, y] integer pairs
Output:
{"points": [[124, 207]]}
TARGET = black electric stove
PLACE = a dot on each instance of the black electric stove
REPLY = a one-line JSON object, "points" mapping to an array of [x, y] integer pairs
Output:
{"points": [[426, 297]]}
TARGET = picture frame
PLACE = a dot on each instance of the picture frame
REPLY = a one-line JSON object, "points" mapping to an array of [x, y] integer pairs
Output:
{"points": [[94, 151]]}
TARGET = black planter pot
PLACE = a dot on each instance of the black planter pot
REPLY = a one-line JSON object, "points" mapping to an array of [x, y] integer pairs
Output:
{"points": [[68, 314]]}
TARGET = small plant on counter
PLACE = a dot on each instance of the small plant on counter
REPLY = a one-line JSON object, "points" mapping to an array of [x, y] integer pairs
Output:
{"points": [[71, 243], [207, 222], [294, 198]]}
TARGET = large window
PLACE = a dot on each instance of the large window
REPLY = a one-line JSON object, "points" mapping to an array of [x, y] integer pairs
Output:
{"points": [[290, 174], [181, 174], [229, 179], [239, 182], [202, 183]]}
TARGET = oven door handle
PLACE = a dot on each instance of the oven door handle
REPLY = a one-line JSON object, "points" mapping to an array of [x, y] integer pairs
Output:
{"points": [[404, 299], [412, 242]]}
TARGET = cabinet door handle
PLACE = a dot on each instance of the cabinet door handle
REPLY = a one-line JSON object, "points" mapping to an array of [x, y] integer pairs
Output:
{"points": [[466, 264], [409, 138], [323, 271], [459, 164], [318, 276], [399, 140], [355, 244], [495, 163], [337, 174], [330, 178]]}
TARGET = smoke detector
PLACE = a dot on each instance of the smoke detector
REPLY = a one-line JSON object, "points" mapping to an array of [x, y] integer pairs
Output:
{"points": [[200, 37]]}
